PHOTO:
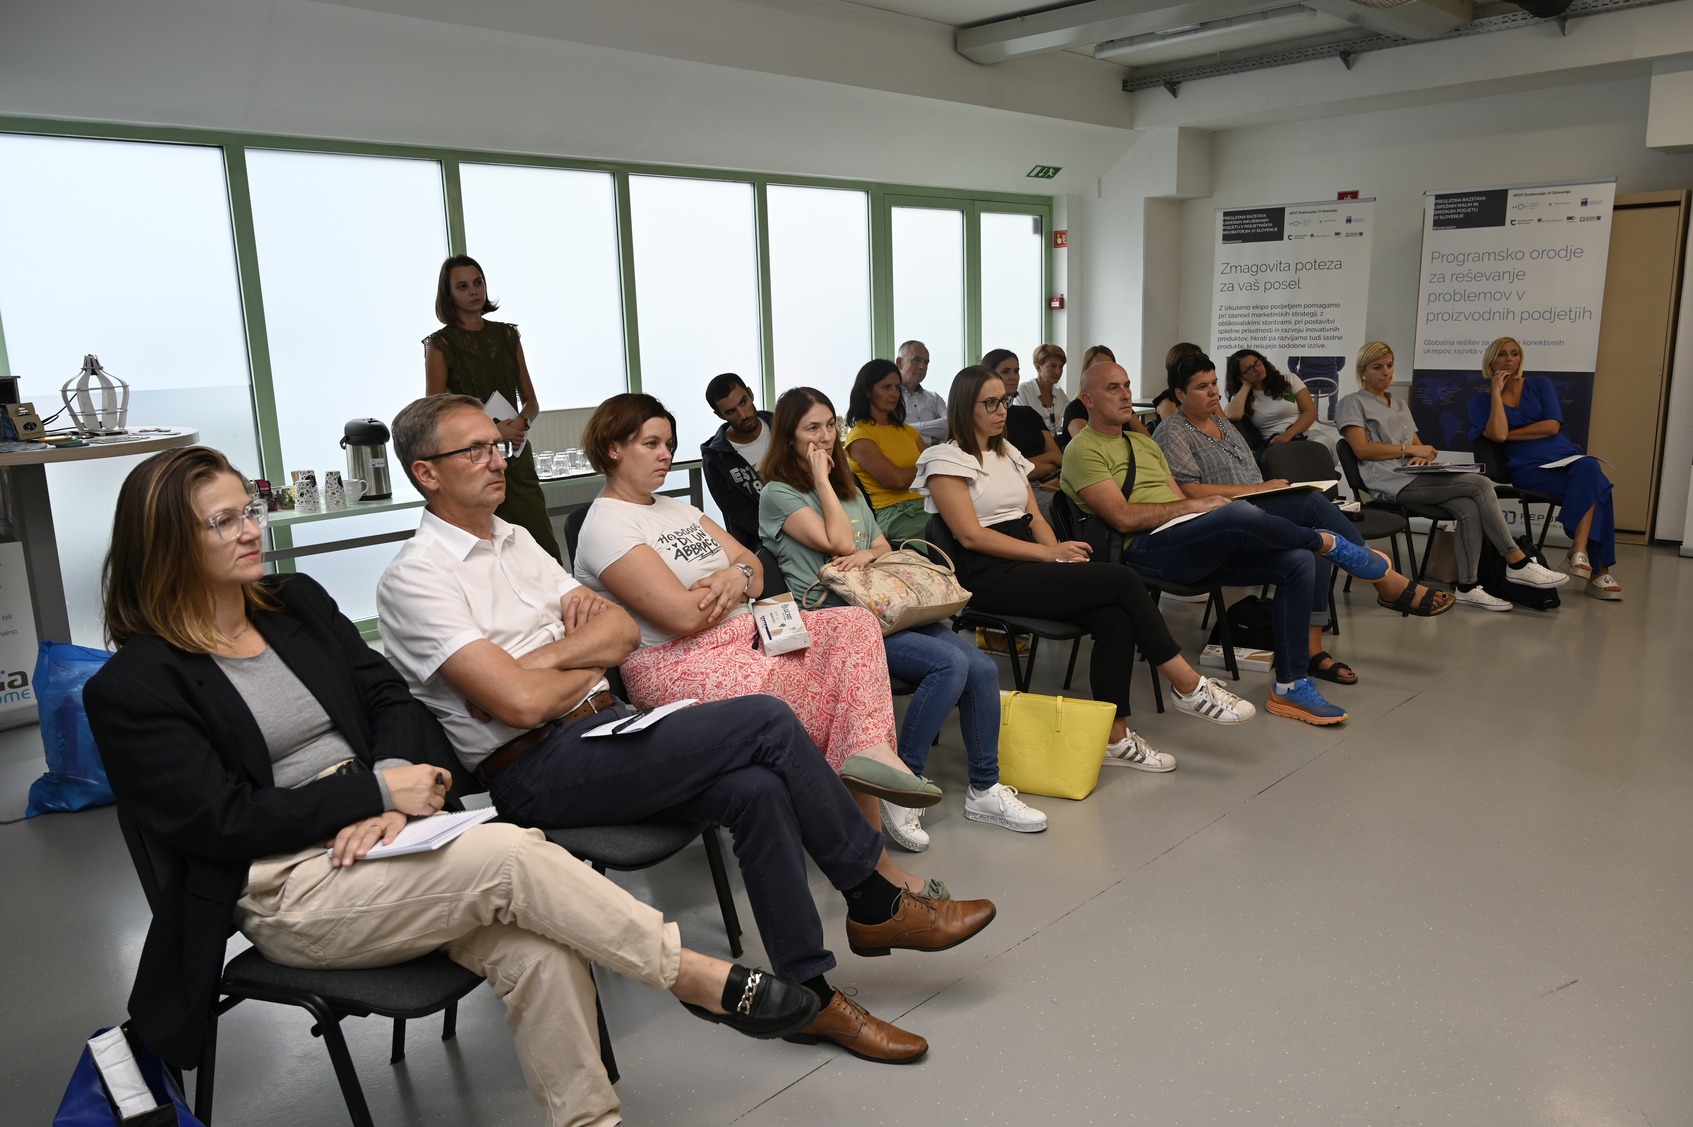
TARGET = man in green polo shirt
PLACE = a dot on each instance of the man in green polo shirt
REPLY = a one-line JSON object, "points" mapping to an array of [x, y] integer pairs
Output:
{"points": [[1203, 540]]}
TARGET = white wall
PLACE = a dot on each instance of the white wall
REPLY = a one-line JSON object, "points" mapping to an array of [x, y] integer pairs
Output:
{"points": [[1575, 130], [885, 98]]}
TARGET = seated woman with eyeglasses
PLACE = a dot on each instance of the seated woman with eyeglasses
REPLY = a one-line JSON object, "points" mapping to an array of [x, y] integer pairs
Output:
{"points": [[1007, 556], [686, 582], [248, 729], [810, 515]]}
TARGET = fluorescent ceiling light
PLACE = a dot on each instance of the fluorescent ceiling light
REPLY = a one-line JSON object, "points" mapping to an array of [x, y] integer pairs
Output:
{"points": [[1135, 44]]}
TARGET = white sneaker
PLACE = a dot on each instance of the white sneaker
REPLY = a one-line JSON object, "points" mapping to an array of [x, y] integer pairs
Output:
{"points": [[903, 826], [1481, 600], [1535, 574], [1000, 806], [1210, 701], [1132, 751]]}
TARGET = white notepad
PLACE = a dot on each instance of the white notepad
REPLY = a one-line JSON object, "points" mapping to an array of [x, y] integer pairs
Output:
{"points": [[424, 834]]}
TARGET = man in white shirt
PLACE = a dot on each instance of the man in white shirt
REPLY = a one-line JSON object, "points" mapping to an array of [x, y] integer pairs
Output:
{"points": [[511, 655], [923, 408]]}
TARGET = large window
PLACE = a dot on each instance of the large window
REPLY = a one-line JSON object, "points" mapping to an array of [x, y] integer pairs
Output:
{"points": [[928, 277], [696, 288], [1013, 285], [123, 250], [547, 242], [171, 255], [349, 248], [819, 287]]}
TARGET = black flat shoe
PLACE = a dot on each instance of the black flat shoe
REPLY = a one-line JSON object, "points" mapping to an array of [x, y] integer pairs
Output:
{"points": [[761, 1005]]}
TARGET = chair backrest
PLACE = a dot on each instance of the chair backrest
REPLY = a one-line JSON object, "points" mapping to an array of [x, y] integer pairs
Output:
{"points": [[1249, 432], [1066, 518], [1492, 458], [1307, 460], [936, 532], [155, 866], [774, 583], [573, 532], [1349, 467]]}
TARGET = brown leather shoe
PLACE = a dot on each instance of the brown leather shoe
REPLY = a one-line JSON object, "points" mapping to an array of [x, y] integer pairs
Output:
{"points": [[861, 1033], [921, 924]]}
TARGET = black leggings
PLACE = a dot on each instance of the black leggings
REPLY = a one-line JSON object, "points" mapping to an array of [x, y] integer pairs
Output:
{"points": [[1108, 599]]}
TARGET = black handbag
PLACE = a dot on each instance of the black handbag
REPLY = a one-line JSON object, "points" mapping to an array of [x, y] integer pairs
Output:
{"points": [[1494, 576]]}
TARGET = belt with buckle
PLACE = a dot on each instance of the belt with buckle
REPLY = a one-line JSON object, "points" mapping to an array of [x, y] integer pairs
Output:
{"points": [[514, 749]]}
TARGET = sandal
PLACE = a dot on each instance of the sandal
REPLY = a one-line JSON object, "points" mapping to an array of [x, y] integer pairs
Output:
{"points": [[1426, 607], [1604, 586], [1338, 671], [1578, 565]]}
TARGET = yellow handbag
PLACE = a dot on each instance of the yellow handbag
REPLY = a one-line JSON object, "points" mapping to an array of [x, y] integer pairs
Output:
{"points": [[1052, 745]]}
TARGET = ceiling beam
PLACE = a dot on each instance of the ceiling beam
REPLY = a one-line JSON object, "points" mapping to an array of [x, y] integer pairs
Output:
{"points": [[1082, 25]]}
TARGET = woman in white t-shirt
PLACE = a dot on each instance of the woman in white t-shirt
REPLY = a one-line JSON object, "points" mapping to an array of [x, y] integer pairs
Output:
{"points": [[686, 582], [1276, 403], [1009, 559]]}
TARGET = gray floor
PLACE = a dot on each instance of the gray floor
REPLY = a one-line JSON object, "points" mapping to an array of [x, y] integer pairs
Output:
{"points": [[1470, 904]]}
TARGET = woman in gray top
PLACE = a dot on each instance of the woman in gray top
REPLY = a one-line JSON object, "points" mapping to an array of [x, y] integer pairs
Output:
{"points": [[1381, 432]]}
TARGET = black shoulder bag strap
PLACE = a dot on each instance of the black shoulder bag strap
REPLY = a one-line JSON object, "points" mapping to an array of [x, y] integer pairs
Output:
{"points": [[1097, 533]]}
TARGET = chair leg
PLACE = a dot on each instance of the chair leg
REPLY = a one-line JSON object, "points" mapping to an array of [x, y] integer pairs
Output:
{"points": [[450, 1021], [1334, 616], [1428, 550], [329, 1026], [397, 1052], [1157, 686], [205, 1074], [1070, 670], [725, 897], [1224, 634], [607, 1057]]}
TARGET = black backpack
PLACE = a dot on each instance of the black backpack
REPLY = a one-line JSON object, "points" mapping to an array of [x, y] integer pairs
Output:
{"points": [[1494, 576], [1251, 624]]}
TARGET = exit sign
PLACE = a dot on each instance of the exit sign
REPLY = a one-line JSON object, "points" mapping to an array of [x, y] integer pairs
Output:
{"points": [[1044, 171]]}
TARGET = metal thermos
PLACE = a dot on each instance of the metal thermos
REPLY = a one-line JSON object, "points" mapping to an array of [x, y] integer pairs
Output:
{"points": [[366, 444]]}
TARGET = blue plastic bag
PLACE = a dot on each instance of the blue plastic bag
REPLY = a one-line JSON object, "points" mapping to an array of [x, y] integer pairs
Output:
{"points": [[75, 778], [87, 1105]]}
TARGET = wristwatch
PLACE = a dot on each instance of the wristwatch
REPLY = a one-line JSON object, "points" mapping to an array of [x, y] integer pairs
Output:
{"points": [[746, 570]]}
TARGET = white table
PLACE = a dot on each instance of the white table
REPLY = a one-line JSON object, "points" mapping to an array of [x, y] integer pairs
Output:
{"points": [[25, 465]]}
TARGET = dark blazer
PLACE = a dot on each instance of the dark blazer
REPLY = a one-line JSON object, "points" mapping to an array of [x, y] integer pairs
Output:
{"points": [[188, 764]]}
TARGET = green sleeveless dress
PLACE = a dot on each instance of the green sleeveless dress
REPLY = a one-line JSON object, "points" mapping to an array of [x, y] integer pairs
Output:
{"points": [[479, 364]]}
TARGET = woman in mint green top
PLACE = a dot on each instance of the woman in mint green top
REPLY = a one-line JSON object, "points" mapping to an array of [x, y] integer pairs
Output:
{"points": [[806, 527], [472, 356]]}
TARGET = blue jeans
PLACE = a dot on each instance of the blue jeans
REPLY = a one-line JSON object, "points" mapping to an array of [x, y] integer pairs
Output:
{"points": [[947, 670], [1310, 509], [1241, 545]]}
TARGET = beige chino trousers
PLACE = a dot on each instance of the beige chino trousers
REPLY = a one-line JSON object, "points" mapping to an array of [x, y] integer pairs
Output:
{"points": [[501, 901]]}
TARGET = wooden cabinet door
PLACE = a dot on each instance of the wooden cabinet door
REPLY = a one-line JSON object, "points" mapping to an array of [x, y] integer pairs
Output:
{"points": [[1631, 382]]}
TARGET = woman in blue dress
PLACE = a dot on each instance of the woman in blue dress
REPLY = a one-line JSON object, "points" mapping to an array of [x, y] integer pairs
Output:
{"points": [[1521, 413]]}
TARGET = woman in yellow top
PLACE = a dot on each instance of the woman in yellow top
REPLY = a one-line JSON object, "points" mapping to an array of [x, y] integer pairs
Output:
{"points": [[882, 450]]}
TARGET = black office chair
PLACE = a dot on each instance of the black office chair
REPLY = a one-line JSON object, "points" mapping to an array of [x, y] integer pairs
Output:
{"points": [[938, 534], [1298, 460], [1399, 512], [1491, 455], [1305, 460], [1067, 525], [424, 986]]}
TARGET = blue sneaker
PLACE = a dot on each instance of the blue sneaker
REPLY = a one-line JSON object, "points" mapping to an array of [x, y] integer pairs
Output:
{"points": [[1304, 702], [1355, 559]]}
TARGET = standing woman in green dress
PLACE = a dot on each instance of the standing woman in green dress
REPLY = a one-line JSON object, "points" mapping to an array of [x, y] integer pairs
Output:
{"points": [[471, 356]]}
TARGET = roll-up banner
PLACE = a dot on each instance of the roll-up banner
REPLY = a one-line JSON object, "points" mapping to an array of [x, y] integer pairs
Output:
{"points": [[1293, 282], [1526, 262]]}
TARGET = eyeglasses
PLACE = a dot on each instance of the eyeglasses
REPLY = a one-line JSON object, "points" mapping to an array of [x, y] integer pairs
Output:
{"points": [[996, 403], [478, 452], [229, 526]]}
